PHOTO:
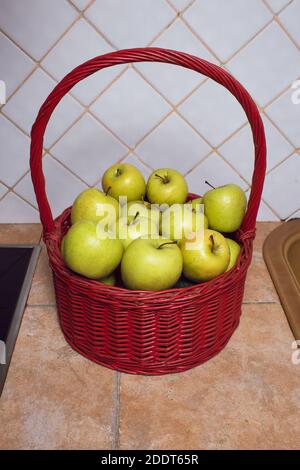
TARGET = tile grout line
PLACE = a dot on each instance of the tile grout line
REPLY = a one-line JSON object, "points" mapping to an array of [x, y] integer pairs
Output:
{"points": [[271, 209], [277, 20], [86, 108], [213, 148], [149, 83], [277, 96], [38, 63], [116, 411], [281, 9], [260, 303], [265, 112], [41, 305], [293, 213], [184, 9]]}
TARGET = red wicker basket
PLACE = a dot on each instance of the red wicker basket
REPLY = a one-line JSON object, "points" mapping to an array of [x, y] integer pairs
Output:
{"points": [[144, 332]]}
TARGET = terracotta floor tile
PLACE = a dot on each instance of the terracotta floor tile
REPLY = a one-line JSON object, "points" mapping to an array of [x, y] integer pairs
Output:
{"points": [[247, 397], [20, 233], [259, 286], [42, 290], [53, 397]]}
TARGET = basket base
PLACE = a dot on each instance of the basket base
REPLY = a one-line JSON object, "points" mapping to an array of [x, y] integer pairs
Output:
{"points": [[153, 369]]}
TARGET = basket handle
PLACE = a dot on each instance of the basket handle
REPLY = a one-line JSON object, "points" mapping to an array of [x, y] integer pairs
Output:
{"points": [[215, 72]]}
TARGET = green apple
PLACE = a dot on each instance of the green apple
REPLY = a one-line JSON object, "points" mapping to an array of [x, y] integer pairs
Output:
{"points": [[205, 257], [129, 228], [181, 220], [166, 186], [96, 206], [90, 251], [109, 280], [197, 204], [225, 208], [62, 246], [123, 179], [144, 208], [235, 249], [150, 264]]}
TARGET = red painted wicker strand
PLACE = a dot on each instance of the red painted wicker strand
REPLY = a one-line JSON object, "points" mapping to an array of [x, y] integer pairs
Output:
{"points": [[144, 332]]}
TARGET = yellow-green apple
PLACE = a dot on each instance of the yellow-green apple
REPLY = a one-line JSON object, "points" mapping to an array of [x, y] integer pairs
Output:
{"points": [[197, 204], [124, 179], [144, 208], [109, 280], [91, 251], [205, 256], [62, 246], [96, 206], [181, 221], [150, 264], [235, 249], [166, 186], [129, 228], [225, 208]]}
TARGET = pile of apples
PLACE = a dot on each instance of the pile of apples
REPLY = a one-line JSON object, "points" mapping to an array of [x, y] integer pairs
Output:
{"points": [[147, 236]]}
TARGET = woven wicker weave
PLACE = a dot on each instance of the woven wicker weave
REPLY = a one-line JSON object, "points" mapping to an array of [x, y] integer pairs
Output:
{"points": [[145, 332]]}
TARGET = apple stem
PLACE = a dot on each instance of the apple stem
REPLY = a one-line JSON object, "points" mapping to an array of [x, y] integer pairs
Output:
{"points": [[118, 172], [212, 243], [136, 215], [108, 189], [164, 178], [167, 243], [213, 187]]}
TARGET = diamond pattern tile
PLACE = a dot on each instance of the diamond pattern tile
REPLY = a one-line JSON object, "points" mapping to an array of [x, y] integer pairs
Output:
{"points": [[24, 106], [277, 5], [118, 21], [171, 143], [88, 149], [282, 187], [14, 155], [281, 59], [80, 44], [290, 19], [214, 112], [61, 186], [214, 170], [226, 26], [3, 190], [265, 214], [296, 215], [130, 107], [81, 4], [286, 115], [181, 4], [15, 65], [34, 24], [13, 208], [137, 105], [172, 81], [239, 150], [133, 160]]}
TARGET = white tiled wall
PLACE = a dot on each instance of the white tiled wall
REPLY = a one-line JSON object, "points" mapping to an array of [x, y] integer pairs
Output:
{"points": [[149, 114]]}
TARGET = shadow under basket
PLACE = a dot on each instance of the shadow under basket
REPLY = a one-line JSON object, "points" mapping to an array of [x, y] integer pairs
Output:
{"points": [[143, 332]]}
